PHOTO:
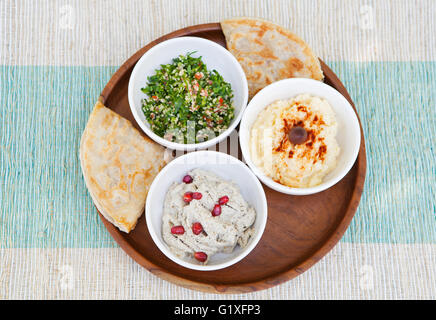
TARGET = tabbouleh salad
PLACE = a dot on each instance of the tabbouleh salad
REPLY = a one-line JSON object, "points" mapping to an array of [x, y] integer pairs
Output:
{"points": [[187, 102]]}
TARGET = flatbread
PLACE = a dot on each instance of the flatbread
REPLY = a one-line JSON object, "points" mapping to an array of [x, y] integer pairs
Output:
{"points": [[118, 165], [268, 52]]}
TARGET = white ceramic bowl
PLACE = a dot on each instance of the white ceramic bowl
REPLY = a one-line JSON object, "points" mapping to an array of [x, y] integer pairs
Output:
{"points": [[213, 55], [226, 167], [348, 136]]}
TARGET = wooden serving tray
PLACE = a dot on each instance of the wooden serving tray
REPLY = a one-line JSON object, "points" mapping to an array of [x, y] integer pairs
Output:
{"points": [[300, 229]]}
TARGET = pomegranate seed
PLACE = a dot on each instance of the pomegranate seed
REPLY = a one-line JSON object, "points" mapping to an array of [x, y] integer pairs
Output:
{"points": [[177, 230], [187, 197], [198, 75], [197, 228], [223, 200], [197, 195], [187, 179], [200, 256], [216, 210]]}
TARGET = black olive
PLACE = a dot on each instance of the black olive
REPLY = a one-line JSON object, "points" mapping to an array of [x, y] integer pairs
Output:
{"points": [[297, 135]]}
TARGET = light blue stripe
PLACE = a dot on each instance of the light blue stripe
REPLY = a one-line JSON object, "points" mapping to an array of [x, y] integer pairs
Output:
{"points": [[396, 105], [44, 201]]}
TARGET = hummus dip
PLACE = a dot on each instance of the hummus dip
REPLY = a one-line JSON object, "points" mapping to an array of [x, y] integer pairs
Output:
{"points": [[204, 215], [303, 164]]}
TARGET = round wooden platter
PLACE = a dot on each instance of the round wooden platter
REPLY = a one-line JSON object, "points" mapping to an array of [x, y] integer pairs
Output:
{"points": [[300, 229]]}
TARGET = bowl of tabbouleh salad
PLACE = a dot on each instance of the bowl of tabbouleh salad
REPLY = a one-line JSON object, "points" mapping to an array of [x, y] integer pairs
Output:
{"points": [[187, 93]]}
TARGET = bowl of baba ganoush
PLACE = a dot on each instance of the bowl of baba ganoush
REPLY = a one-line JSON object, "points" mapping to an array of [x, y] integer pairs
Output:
{"points": [[206, 210], [299, 136], [187, 93]]}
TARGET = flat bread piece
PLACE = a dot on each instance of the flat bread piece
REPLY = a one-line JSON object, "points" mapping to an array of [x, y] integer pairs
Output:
{"points": [[118, 165], [268, 52]]}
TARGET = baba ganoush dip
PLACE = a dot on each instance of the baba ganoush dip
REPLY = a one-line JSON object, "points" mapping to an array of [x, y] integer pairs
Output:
{"points": [[294, 141], [204, 215]]}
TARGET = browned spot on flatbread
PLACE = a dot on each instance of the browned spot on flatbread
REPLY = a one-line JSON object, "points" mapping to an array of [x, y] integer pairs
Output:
{"points": [[258, 63], [262, 30], [292, 37], [107, 119], [253, 90], [256, 76], [89, 143], [267, 53], [292, 65], [123, 221], [123, 185], [236, 36]]}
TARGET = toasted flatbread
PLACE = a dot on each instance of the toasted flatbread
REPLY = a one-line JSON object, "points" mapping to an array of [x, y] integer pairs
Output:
{"points": [[268, 52], [118, 165]]}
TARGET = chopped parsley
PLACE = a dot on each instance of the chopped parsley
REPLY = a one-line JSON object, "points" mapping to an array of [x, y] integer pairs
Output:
{"points": [[186, 102]]}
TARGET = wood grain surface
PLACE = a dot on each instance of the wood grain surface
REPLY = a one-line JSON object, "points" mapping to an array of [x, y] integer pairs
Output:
{"points": [[300, 229]]}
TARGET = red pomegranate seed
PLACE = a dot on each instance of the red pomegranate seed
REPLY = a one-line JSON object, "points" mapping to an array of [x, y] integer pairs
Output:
{"points": [[187, 179], [200, 256], [198, 75], [177, 230], [187, 197], [197, 228], [197, 195], [223, 200], [216, 210]]}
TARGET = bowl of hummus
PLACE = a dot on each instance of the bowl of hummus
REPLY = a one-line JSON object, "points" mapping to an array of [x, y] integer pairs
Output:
{"points": [[206, 210], [299, 136]]}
